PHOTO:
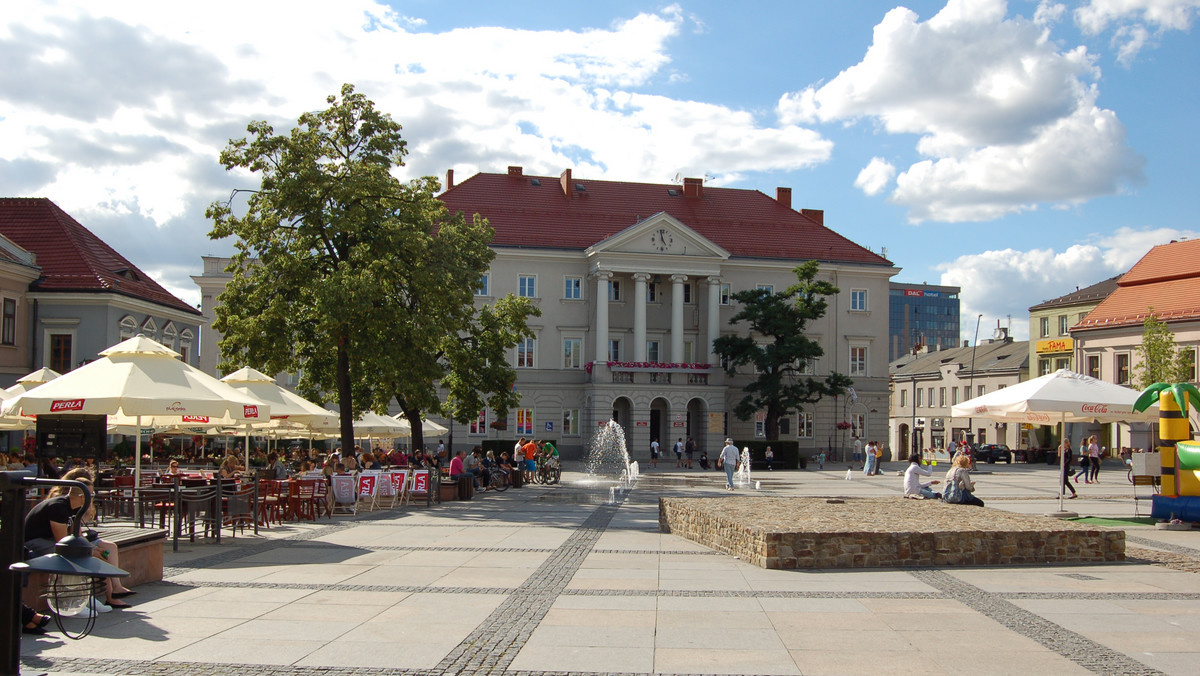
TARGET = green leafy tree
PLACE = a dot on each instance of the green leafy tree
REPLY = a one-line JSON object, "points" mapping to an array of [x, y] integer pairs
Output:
{"points": [[1159, 359], [782, 384], [343, 273]]}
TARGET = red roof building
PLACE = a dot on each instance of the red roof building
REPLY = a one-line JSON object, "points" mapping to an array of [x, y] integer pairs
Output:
{"points": [[88, 297], [635, 281]]}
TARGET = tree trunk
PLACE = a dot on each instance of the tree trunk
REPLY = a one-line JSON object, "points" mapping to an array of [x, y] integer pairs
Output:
{"points": [[414, 421], [345, 397]]}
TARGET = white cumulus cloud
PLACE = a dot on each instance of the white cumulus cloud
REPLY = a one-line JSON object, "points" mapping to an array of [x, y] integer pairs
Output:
{"points": [[1136, 23], [1004, 284], [1006, 119], [875, 177]]}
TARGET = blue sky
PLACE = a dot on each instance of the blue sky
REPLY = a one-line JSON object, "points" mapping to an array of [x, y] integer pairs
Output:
{"points": [[1016, 149]]}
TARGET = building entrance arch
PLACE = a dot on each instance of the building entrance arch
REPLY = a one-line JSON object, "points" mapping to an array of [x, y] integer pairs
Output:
{"points": [[697, 425], [622, 413]]}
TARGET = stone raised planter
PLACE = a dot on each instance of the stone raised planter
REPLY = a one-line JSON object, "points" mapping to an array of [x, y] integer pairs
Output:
{"points": [[881, 532]]}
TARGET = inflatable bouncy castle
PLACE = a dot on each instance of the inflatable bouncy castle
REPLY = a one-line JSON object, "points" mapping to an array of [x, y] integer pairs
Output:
{"points": [[1180, 456]]}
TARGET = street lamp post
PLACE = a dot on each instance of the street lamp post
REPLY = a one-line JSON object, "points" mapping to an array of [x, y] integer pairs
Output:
{"points": [[971, 383]]}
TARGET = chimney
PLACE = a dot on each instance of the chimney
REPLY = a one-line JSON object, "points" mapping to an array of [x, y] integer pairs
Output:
{"points": [[514, 172], [449, 179], [817, 215], [693, 187], [564, 180], [784, 196]]}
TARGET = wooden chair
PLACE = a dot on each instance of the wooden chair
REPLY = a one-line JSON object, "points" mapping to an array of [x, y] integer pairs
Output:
{"points": [[270, 506], [300, 499], [321, 503]]}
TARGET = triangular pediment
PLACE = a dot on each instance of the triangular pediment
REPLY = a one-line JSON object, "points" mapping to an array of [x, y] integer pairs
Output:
{"points": [[659, 235]]}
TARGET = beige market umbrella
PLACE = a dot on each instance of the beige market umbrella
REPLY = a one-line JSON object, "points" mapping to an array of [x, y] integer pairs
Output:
{"points": [[428, 427], [143, 383], [1063, 396], [289, 411], [24, 384]]}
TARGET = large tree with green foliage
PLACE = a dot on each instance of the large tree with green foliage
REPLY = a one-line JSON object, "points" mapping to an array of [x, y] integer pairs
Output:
{"points": [[350, 277], [1159, 360], [779, 350]]}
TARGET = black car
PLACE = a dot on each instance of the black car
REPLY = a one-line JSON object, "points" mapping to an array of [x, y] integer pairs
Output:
{"points": [[993, 453]]}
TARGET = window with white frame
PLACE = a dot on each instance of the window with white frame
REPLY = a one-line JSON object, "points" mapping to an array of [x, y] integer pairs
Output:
{"points": [[1093, 366], [169, 334], [919, 397], [1044, 325], [760, 425], [526, 351], [651, 292], [1062, 325], [953, 396], [573, 288], [689, 352], [8, 334], [1043, 366], [903, 398], [1122, 368], [1061, 363], [128, 327], [186, 338], [804, 425], [478, 426], [769, 288], [858, 423], [726, 294], [527, 286], [652, 351], [1187, 363], [485, 285], [981, 390], [614, 349], [614, 290], [62, 351], [807, 367], [570, 425], [858, 360], [930, 396], [858, 300], [572, 353], [966, 392], [525, 421], [942, 397]]}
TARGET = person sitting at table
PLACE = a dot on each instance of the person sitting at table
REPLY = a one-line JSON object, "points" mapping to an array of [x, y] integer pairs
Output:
{"points": [[173, 468], [370, 462], [398, 458], [350, 462], [305, 466], [230, 468], [275, 464], [456, 465]]}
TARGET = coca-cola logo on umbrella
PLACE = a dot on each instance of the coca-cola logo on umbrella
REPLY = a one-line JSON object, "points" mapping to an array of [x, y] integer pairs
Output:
{"points": [[1094, 408]]}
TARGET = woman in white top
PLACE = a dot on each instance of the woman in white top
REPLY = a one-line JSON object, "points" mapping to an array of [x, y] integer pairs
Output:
{"points": [[913, 488]]}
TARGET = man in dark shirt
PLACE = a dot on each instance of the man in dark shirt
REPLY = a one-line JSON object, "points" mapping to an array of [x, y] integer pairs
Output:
{"points": [[47, 522]]}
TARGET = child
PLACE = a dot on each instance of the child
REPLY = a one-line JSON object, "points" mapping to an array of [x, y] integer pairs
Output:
{"points": [[821, 460]]}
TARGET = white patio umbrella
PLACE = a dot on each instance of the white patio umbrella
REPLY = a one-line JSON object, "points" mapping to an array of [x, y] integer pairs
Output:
{"points": [[143, 383], [1063, 396], [428, 427], [289, 411], [370, 424], [24, 384]]}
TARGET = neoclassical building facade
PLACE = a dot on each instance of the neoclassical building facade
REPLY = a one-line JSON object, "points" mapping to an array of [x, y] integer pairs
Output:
{"points": [[635, 281]]}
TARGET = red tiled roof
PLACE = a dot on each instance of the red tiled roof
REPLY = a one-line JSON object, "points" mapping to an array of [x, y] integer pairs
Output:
{"points": [[1166, 279], [746, 223], [72, 258]]}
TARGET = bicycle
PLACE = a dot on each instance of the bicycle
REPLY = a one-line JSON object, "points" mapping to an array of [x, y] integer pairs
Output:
{"points": [[548, 472], [497, 479]]}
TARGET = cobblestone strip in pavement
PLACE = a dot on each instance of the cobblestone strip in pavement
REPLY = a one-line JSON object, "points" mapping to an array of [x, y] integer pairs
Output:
{"points": [[1167, 547], [494, 644], [1079, 649]]}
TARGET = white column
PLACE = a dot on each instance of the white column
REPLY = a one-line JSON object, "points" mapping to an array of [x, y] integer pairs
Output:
{"points": [[602, 278], [714, 318], [677, 316], [639, 316]]}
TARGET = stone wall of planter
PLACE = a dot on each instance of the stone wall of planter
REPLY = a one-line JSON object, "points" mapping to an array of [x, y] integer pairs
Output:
{"points": [[881, 532]]}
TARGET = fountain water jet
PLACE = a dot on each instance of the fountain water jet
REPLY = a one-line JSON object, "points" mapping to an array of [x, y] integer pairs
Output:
{"points": [[742, 477], [608, 457]]}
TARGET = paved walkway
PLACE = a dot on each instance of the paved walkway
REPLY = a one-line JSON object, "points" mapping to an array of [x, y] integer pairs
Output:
{"points": [[552, 579]]}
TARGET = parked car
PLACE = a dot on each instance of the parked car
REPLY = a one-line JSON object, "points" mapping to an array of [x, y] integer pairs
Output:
{"points": [[993, 453]]}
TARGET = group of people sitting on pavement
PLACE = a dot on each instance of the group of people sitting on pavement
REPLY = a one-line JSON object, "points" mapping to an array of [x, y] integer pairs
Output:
{"points": [[959, 489]]}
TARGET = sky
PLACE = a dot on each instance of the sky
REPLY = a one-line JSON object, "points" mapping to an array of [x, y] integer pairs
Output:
{"points": [[1016, 149]]}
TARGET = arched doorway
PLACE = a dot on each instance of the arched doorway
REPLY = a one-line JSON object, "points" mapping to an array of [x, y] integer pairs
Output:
{"points": [[697, 424], [660, 423], [902, 440], [622, 413]]}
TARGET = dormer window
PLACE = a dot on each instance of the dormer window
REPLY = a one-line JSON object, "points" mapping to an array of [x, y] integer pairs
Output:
{"points": [[129, 274]]}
